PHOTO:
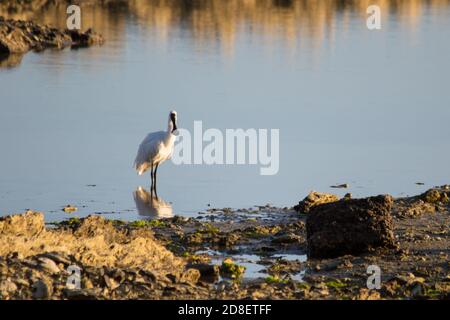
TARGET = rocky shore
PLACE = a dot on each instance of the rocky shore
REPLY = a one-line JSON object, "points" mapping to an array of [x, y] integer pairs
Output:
{"points": [[257, 253], [18, 37]]}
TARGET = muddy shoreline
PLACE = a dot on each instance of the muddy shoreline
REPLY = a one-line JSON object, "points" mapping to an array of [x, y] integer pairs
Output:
{"points": [[256, 253]]}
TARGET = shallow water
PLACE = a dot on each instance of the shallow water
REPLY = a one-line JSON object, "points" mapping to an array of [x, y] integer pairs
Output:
{"points": [[368, 108], [290, 257], [254, 269]]}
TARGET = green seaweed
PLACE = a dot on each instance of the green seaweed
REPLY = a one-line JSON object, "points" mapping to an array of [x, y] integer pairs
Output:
{"points": [[231, 269], [147, 223], [336, 284], [303, 286], [276, 279], [72, 222], [209, 229]]}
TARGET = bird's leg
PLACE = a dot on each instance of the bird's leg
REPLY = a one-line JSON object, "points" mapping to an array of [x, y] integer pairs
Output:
{"points": [[151, 176], [156, 169], [151, 194]]}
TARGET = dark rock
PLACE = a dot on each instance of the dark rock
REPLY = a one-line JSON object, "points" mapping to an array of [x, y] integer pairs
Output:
{"points": [[173, 277], [42, 289], [80, 294], [352, 226], [208, 272], [340, 186], [84, 39]]}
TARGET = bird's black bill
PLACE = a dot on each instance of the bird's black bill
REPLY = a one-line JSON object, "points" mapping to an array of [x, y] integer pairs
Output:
{"points": [[174, 122]]}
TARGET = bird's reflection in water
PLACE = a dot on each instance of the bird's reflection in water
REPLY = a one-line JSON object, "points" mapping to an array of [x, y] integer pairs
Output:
{"points": [[150, 206]]}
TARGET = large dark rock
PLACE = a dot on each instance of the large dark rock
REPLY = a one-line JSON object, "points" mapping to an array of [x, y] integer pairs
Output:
{"points": [[350, 226]]}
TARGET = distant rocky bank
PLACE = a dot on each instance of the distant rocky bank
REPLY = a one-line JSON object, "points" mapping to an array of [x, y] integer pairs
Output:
{"points": [[18, 37]]}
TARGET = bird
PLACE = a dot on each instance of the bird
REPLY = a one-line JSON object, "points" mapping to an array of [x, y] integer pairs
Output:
{"points": [[150, 206], [156, 148]]}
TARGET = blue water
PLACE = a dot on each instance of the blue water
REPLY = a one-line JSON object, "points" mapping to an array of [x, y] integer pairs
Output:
{"points": [[367, 108]]}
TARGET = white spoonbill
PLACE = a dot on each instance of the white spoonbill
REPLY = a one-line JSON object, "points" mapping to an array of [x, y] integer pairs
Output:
{"points": [[156, 148]]}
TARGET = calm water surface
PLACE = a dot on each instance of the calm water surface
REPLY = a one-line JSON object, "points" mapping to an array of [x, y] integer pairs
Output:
{"points": [[368, 108]]}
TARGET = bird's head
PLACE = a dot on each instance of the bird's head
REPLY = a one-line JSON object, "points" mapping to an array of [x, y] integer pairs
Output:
{"points": [[173, 121]]}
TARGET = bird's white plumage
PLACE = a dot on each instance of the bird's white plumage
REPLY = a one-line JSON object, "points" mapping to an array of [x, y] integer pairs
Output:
{"points": [[155, 148]]}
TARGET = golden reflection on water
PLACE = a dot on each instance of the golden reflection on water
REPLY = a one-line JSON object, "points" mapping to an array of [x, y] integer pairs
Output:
{"points": [[223, 21]]}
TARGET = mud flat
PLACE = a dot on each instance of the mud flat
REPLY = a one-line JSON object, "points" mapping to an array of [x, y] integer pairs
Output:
{"points": [[254, 253]]}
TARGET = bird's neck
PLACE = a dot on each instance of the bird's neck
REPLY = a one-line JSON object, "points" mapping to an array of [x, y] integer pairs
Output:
{"points": [[170, 127], [170, 138]]}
